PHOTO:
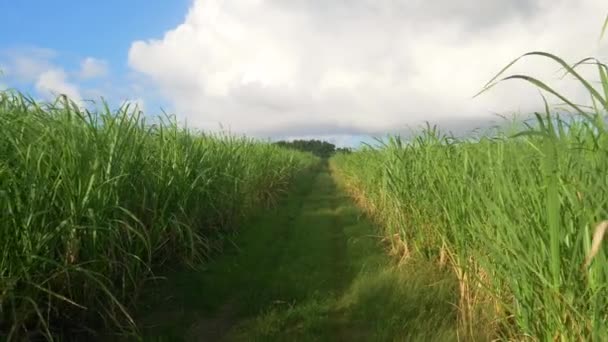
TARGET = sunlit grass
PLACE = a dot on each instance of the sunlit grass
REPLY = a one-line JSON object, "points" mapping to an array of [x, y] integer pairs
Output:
{"points": [[92, 202], [514, 214]]}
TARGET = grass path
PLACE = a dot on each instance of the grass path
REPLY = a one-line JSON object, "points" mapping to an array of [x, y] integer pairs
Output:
{"points": [[309, 270]]}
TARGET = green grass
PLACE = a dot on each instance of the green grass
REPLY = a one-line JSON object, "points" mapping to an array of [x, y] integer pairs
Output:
{"points": [[513, 213], [311, 270], [94, 204], [91, 203]]}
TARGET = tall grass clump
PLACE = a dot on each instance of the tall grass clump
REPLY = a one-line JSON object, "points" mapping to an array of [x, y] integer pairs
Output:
{"points": [[519, 216], [92, 202]]}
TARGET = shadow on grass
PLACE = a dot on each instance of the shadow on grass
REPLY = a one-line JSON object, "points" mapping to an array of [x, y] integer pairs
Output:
{"points": [[308, 270]]}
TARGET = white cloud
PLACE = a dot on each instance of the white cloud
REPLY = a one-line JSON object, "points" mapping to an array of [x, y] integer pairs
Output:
{"points": [[92, 68], [137, 103], [38, 67], [54, 82], [26, 64], [317, 67]]}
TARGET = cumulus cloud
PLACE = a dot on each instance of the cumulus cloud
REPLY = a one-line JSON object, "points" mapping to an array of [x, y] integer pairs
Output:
{"points": [[54, 82], [26, 64], [317, 67], [41, 69], [92, 68]]}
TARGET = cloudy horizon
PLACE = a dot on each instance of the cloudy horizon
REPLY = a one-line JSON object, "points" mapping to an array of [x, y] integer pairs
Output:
{"points": [[335, 70]]}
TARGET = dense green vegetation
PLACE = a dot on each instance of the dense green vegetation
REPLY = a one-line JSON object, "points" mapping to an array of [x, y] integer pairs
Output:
{"points": [[515, 216], [92, 203], [322, 149], [499, 237], [310, 270]]}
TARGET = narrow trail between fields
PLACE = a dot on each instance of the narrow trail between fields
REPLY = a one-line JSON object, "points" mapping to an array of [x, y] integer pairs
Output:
{"points": [[311, 269]]}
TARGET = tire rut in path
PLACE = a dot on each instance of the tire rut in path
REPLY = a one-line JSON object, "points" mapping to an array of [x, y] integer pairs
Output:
{"points": [[217, 326], [339, 265]]}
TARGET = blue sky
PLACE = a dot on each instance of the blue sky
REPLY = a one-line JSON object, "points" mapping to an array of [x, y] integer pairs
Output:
{"points": [[78, 29], [67, 32], [322, 69], [63, 33]]}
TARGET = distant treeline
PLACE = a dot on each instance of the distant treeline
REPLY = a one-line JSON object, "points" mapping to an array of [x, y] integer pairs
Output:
{"points": [[319, 148]]}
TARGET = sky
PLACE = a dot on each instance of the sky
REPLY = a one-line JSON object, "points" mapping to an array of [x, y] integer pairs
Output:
{"points": [[339, 70]]}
